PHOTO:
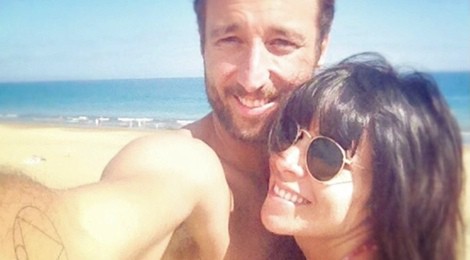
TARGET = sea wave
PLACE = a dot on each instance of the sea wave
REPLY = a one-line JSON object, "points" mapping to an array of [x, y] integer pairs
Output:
{"points": [[98, 122], [8, 116], [466, 137]]}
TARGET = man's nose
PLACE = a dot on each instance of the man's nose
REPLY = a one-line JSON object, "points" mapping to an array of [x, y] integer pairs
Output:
{"points": [[254, 71]]}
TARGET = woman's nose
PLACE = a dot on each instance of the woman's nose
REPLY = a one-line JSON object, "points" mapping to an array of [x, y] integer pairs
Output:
{"points": [[288, 164]]}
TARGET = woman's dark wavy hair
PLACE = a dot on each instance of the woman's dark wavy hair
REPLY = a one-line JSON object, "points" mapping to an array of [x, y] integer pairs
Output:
{"points": [[416, 148], [325, 19]]}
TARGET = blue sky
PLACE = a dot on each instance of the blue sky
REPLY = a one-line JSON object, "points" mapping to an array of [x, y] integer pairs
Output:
{"points": [[107, 39]]}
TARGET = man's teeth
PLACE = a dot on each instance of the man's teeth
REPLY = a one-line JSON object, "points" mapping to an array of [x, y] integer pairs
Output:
{"points": [[289, 196], [253, 103]]}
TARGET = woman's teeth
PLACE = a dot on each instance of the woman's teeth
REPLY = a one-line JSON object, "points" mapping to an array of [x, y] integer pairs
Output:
{"points": [[289, 196]]}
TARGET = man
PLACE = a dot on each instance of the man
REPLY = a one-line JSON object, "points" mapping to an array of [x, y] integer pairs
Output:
{"points": [[255, 52]]}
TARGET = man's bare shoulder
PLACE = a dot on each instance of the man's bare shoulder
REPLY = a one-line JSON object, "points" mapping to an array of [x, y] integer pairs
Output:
{"points": [[165, 151]]}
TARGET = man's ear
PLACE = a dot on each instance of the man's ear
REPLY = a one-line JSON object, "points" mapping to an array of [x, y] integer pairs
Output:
{"points": [[323, 50]]}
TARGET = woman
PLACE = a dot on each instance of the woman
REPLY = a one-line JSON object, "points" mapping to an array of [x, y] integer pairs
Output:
{"points": [[366, 163]]}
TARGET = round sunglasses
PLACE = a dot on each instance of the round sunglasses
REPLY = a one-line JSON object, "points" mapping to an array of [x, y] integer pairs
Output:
{"points": [[324, 157]]}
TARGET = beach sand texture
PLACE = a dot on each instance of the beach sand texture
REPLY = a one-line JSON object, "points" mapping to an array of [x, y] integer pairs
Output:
{"points": [[67, 157], [61, 157]]}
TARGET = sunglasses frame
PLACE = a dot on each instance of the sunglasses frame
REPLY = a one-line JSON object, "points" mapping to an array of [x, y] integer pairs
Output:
{"points": [[299, 133]]}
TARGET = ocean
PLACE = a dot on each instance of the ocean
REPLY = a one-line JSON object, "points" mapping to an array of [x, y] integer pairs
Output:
{"points": [[152, 103], [146, 103]]}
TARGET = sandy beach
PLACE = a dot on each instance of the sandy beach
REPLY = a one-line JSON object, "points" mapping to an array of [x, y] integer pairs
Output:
{"points": [[61, 157], [66, 157]]}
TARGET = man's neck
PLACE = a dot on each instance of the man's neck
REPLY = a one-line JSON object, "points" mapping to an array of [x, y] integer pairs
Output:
{"points": [[244, 157], [246, 169]]}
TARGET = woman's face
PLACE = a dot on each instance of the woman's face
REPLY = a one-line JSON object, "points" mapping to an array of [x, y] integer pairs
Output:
{"points": [[299, 205]]}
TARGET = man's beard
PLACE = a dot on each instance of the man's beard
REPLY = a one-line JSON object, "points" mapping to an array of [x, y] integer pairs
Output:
{"points": [[253, 131]]}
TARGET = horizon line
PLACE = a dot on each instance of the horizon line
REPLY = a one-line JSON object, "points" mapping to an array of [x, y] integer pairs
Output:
{"points": [[167, 77]]}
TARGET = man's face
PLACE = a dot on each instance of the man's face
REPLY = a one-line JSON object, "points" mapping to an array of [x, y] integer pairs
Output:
{"points": [[255, 53]]}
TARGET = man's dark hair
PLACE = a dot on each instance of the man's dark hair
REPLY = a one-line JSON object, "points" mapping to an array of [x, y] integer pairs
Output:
{"points": [[325, 19]]}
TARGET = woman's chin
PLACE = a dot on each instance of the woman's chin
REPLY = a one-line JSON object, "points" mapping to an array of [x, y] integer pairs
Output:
{"points": [[278, 220]]}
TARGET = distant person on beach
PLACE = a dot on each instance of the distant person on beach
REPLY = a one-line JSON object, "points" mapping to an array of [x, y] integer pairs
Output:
{"points": [[366, 163], [255, 53]]}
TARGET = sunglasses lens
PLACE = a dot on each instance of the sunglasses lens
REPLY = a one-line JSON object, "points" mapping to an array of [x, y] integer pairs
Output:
{"points": [[283, 135], [324, 159]]}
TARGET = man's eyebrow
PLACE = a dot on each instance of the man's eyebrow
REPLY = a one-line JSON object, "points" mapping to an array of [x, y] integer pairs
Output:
{"points": [[289, 34], [281, 31], [217, 32]]}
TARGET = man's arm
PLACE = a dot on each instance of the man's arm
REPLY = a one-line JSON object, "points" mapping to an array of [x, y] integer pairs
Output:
{"points": [[27, 219], [98, 221], [189, 186], [148, 189]]}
